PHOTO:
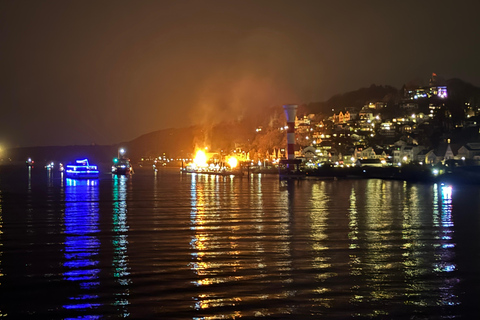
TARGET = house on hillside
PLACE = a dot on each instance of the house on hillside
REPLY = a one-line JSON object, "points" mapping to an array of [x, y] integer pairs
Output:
{"points": [[445, 152], [469, 151], [309, 153], [448, 153], [431, 157], [368, 153], [409, 106], [422, 156], [406, 153], [380, 153]]}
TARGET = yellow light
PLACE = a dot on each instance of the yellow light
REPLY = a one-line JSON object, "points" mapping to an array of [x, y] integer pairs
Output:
{"points": [[232, 162]]}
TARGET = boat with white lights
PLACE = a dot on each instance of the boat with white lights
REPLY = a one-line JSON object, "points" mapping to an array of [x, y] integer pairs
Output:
{"points": [[122, 166], [82, 169], [29, 163]]}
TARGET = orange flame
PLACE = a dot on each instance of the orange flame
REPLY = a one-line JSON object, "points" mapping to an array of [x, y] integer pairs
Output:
{"points": [[232, 162], [200, 159]]}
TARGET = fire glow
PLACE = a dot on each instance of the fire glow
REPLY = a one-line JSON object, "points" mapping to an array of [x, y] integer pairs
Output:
{"points": [[200, 159], [232, 162]]}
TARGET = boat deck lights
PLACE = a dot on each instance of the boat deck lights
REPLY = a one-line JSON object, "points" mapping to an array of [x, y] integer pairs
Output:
{"points": [[81, 166]]}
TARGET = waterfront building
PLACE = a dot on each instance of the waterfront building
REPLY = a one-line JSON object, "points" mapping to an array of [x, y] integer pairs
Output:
{"points": [[369, 163], [406, 153], [469, 151]]}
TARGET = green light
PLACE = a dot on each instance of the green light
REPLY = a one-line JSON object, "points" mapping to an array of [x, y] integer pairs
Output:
{"points": [[115, 160]]}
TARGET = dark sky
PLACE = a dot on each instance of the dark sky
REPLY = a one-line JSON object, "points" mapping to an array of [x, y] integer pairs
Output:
{"points": [[82, 72]]}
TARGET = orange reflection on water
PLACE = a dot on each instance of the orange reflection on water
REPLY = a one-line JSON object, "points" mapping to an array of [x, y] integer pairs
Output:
{"points": [[1, 245], [319, 225], [223, 262], [1, 241]]}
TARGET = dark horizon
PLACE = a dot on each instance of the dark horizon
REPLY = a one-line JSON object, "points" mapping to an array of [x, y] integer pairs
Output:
{"points": [[77, 73]]}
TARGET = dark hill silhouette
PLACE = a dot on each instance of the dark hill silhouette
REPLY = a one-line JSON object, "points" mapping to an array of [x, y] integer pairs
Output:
{"points": [[172, 142], [181, 142], [353, 99], [461, 92]]}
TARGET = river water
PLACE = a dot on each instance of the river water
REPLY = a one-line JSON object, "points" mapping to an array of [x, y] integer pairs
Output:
{"points": [[167, 245]]}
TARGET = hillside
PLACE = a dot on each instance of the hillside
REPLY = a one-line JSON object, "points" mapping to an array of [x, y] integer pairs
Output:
{"points": [[181, 142], [173, 142], [353, 99]]}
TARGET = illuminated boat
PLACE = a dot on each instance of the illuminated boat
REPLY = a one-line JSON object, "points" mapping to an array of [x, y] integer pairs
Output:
{"points": [[202, 166], [221, 171], [29, 162], [81, 170], [122, 166]]}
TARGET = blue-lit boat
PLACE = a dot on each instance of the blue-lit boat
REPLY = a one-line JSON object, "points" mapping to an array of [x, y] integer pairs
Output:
{"points": [[82, 169]]}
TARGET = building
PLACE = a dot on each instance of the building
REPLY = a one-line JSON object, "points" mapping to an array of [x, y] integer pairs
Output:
{"points": [[469, 151]]}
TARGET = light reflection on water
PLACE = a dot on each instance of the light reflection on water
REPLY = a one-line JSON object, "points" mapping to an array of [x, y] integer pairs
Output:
{"points": [[81, 242], [1, 248], [164, 245], [121, 270], [221, 256], [444, 250]]}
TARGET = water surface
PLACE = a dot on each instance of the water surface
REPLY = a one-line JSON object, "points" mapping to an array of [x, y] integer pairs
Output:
{"points": [[171, 246]]}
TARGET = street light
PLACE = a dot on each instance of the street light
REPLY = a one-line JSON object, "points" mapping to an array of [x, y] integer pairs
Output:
{"points": [[121, 152]]}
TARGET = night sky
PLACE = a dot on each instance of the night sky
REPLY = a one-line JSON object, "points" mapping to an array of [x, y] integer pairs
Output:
{"points": [[83, 72]]}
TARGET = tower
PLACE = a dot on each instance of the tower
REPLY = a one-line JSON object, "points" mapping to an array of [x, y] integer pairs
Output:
{"points": [[290, 113]]}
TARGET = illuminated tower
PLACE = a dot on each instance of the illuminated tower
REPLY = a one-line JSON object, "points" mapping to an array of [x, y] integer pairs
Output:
{"points": [[289, 167], [290, 112]]}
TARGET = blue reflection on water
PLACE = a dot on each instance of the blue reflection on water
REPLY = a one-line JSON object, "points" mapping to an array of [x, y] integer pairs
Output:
{"points": [[81, 242]]}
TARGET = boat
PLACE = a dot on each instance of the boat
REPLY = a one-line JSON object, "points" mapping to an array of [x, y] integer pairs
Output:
{"points": [[122, 166], [82, 169], [29, 163], [220, 171], [202, 165]]}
